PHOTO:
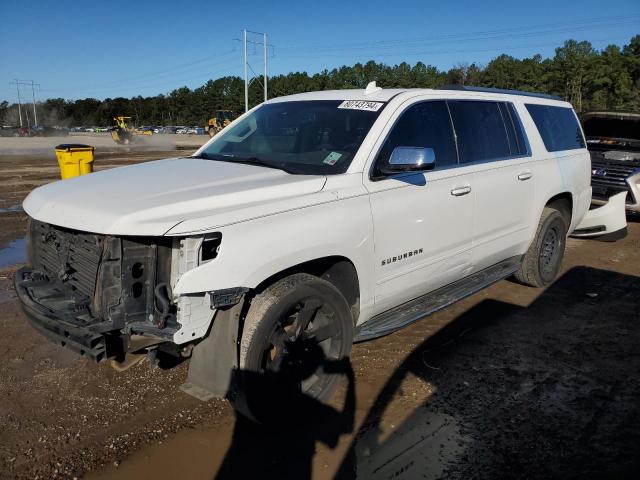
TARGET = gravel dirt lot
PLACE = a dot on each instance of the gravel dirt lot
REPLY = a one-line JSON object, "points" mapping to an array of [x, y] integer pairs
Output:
{"points": [[512, 382], [101, 141]]}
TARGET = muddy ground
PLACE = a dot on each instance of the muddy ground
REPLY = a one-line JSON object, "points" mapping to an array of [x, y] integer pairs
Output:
{"points": [[512, 382]]}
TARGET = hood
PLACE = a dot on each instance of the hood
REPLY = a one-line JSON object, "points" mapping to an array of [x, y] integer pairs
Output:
{"points": [[612, 130], [151, 198]]}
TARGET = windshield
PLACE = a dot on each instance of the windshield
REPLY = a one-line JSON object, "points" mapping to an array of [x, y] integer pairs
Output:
{"points": [[305, 137]]}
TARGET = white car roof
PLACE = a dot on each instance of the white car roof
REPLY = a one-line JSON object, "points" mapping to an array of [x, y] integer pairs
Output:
{"points": [[386, 94], [381, 95]]}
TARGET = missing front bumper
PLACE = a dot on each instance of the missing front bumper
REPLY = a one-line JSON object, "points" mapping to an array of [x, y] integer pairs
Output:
{"points": [[77, 330], [61, 328], [607, 222]]}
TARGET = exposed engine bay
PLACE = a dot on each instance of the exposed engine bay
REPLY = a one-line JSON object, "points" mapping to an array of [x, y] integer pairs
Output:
{"points": [[613, 139]]}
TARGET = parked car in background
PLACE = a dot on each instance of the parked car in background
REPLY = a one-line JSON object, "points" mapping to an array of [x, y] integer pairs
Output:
{"points": [[145, 130], [613, 139], [182, 130], [43, 131], [25, 132], [9, 131], [167, 130], [196, 131]]}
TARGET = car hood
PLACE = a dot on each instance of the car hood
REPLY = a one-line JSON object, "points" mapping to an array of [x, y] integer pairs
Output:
{"points": [[152, 198]]}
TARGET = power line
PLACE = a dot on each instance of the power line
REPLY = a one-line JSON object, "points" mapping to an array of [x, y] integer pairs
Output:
{"points": [[414, 52], [173, 82], [142, 78], [541, 29]]}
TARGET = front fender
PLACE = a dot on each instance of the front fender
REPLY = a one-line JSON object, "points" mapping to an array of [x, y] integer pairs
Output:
{"points": [[255, 250]]}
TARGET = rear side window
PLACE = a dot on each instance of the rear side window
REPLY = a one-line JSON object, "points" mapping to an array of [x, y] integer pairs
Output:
{"points": [[480, 130], [424, 125], [558, 127]]}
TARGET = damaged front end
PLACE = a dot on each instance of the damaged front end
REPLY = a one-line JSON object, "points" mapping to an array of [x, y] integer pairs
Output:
{"points": [[613, 139], [99, 295]]}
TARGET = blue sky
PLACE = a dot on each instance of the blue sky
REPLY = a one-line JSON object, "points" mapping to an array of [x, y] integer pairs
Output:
{"points": [[123, 48]]}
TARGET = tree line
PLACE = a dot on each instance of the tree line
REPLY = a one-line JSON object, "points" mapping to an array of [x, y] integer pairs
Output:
{"points": [[589, 79]]}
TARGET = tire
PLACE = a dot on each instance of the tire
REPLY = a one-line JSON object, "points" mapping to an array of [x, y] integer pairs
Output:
{"points": [[542, 261], [298, 310]]}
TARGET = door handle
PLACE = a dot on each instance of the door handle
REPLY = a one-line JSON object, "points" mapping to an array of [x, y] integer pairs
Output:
{"points": [[458, 192], [525, 176]]}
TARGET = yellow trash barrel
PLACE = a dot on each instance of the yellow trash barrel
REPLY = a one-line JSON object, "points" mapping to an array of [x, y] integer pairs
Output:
{"points": [[74, 159]]}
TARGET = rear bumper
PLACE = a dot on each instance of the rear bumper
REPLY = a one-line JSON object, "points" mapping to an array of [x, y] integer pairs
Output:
{"points": [[60, 330]]}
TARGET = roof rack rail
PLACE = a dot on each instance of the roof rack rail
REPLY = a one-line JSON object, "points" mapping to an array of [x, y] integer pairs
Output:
{"points": [[498, 90]]}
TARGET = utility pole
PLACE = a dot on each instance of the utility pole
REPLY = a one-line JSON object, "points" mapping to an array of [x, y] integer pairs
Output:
{"points": [[264, 44], [33, 96], [19, 105], [246, 76], [247, 80], [24, 83]]}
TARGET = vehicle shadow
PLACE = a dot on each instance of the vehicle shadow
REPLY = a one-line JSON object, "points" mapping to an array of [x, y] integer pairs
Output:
{"points": [[546, 391], [276, 435]]}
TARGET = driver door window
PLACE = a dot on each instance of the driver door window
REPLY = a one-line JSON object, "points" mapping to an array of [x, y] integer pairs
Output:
{"points": [[426, 125]]}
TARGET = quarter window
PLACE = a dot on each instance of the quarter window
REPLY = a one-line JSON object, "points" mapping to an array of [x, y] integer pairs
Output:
{"points": [[480, 131], [558, 127], [425, 125]]}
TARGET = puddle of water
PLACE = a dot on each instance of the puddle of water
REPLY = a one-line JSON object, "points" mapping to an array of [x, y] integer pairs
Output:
{"points": [[12, 208], [14, 254]]}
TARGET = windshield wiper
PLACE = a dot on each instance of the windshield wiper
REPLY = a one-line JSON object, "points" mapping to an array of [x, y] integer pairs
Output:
{"points": [[260, 163], [246, 160], [204, 156]]}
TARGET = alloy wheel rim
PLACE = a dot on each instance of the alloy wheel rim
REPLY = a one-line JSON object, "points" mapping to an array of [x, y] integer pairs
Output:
{"points": [[309, 323]]}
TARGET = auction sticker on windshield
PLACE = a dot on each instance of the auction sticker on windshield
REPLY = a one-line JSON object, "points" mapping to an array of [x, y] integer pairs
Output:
{"points": [[332, 158], [361, 105]]}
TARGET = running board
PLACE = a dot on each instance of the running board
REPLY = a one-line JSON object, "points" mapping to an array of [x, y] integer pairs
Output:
{"points": [[414, 310]]}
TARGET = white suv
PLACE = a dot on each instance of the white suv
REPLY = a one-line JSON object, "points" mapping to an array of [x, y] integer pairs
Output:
{"points": [[316, 219]]}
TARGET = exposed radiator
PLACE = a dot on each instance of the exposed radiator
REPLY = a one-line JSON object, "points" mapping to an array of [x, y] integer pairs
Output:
{"points": [[73, 257]]}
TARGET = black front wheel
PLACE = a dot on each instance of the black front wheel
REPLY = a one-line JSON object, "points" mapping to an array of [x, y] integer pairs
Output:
{"points": [[296, 335]]}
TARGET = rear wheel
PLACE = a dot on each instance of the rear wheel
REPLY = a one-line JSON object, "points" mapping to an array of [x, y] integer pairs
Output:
{"points": [[542, 261], [296, 328]]}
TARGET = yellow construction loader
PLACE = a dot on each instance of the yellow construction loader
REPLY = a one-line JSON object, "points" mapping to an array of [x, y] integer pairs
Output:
{"points": [[122, 134], [217, 123]]}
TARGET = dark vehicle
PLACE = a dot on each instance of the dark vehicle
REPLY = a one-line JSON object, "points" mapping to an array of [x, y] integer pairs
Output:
{"points": [[25, 132], [41, 131], [8, 131], [613, 139]]}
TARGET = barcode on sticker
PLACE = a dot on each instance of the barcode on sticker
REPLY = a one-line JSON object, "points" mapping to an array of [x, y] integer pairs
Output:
{"points": [[361, 105]]}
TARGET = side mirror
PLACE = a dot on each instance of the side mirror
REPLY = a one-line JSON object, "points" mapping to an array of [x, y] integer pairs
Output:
{"points": [[407, 159]]}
